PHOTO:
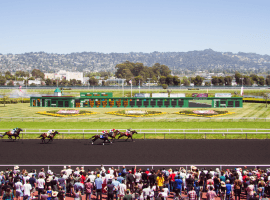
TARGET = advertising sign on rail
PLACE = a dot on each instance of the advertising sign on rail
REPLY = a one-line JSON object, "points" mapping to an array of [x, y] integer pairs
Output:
{"points": [[223, 95], [159, 95], [199, 94], [142, 95], [177, 95]]}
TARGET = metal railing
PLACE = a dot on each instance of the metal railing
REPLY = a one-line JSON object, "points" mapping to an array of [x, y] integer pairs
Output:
{"points": [[163, 132], [186, 166]]}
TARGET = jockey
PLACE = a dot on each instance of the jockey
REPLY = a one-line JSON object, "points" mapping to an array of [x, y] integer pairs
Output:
{"points": [[128, 131], [103, 134], [50, 132], [112, 131], [13, 130]]}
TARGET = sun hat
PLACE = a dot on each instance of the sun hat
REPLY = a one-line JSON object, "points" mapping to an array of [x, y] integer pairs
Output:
{"points": [[54, 193], [16, 167], [223, 184]]}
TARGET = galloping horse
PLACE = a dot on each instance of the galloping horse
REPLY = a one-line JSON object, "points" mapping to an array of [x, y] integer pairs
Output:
{"points": [[105, 138], [16, 134], [43, 136], [129, 135], [113, 135]]}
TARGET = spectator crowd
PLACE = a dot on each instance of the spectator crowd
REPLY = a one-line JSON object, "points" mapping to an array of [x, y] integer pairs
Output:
{"points": [[136, 183]]}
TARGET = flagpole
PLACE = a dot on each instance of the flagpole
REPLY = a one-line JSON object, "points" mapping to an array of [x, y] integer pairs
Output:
{"points": [[139, 86], [131, 89]]}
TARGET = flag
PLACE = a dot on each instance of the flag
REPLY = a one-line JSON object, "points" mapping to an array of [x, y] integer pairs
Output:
{"points": [[20, 88], [242, 91], [130, 81]]}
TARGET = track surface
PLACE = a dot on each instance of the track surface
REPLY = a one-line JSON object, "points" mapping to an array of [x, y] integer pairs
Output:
{"points": [[80, 152]]}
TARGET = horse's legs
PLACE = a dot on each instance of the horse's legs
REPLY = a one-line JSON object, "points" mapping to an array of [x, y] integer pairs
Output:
{"points": [[120, 136]]}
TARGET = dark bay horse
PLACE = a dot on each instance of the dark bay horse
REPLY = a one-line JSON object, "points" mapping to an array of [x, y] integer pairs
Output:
{"points": [[113, 134], [96, 137], [16, 134], [124, 134], [43, 136]]}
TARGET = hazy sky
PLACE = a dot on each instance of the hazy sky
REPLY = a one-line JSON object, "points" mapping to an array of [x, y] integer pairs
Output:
{"points": [[58, 26]]}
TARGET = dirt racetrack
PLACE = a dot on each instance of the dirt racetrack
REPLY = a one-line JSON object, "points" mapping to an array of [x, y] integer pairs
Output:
{"points": [[32, 152]]}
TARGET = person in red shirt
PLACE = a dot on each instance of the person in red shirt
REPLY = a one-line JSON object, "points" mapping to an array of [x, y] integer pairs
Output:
{"points": [[172, 176], [83, 174]]}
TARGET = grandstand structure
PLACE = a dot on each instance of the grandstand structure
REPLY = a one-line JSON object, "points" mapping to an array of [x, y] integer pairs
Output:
{"points": [[158, 100]]}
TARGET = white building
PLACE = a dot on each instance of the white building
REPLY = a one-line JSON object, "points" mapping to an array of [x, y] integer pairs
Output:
{"points": [[62, 74]]}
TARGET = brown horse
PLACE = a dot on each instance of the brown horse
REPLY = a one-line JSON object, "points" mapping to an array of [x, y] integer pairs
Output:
{"points": [[16, 134], [113, 134], [43, 136], [127, 135], [96, 137]]}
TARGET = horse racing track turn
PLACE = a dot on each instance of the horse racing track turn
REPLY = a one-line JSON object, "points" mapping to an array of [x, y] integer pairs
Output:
{"points": [[65, 152]]}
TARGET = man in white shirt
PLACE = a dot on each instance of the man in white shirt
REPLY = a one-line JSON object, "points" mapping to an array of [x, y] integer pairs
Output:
{"points": [[146, 191], [138, 177], [18, 186], [92, 177], [27, 190], [69, 170], [40, 185], [122, 189]]}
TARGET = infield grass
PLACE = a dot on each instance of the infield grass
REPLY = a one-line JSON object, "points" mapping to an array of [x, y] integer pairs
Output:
{"points": [[167, 121]]}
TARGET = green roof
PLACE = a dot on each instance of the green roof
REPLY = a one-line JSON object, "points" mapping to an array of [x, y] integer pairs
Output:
{"points": [[57, 90]]}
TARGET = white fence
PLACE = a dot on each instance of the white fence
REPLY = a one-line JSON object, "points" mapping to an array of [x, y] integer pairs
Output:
{"points": [[130, 119], [163, 132]]}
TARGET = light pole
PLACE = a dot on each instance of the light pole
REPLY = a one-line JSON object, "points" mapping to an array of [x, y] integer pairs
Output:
{"points": [[179, 82], [149, 82]]}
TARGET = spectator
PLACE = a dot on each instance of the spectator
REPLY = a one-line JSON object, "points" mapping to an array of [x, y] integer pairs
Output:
{"points": [[19, 186], [127, 196], [77, 195], [98, 183], [88, 189], [110, 188], [116, 189], [178, 184], [40, 185], [62, 182], [250, 190], [49, 193], [61, 193], [261, 187], [27, 190], [237, 188], [122, 189], [160, 181], [228, 190], [8, 195], [192, 194], [222, 190], [211, 194], [33, 181]]}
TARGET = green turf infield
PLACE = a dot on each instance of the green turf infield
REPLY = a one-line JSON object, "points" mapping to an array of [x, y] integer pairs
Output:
{"points": [[143, 125]]}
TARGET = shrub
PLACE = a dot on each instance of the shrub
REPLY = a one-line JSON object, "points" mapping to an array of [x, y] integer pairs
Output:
{"points": [[164, 86]]}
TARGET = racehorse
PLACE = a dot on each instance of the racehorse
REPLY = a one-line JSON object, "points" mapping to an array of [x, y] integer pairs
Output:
{"points": [[104, 138], [43, 136], [112, 135], [16, 134], [129, 135]]}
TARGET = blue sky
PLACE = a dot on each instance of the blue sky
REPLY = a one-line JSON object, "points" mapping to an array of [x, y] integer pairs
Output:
{"points": [[124, 26]]}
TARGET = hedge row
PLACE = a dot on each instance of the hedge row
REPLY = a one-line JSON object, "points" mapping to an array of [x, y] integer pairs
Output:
{"points": [[14, 101]]}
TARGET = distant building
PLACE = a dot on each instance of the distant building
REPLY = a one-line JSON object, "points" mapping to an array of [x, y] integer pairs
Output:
{"points": [[62, 74]]}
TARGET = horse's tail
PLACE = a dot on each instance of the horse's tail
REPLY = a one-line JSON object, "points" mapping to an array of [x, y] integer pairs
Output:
{"points": [[3, 135], [40, 136]]}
